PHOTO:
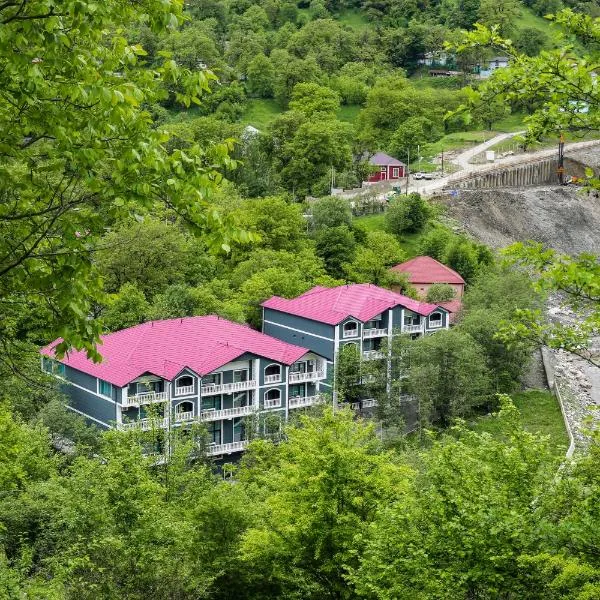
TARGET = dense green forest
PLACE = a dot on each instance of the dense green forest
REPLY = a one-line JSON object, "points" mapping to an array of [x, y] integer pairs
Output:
{"points": [[130, 191]]}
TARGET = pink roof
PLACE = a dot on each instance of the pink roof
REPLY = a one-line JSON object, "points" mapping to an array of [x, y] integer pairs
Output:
{"points": [[165, 348], [359, 300], [453, 307], [381, 159], [424, 269]]}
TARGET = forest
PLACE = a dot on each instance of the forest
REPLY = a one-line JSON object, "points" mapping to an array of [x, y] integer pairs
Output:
{"points": [[130, 190]]}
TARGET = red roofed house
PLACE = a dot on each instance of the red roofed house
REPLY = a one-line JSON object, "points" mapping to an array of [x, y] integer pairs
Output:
{"points": [[195, 369], [424, 271], [388, 168], [363, 315]]}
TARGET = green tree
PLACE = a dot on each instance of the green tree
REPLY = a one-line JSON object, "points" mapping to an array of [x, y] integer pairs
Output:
{"points": [[440, 292], [335, 245], [126, 308], [448, 375], [79, 150], [331, 211], [318, 496], [260, 75], [462, 257], [407, 214], [435, 242], [411, 137], [315, 101], [499, 13]]}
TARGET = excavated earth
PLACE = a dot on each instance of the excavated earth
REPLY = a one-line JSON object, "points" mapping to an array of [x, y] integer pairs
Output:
{"points": [[568, 220], [564, 218]]}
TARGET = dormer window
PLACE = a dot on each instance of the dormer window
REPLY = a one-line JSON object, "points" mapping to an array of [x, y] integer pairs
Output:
{"points": [[350, 329], [184, 385], [273, 374], [435, 320]]}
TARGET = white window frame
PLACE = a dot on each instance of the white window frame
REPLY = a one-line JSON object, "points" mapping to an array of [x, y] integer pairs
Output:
{"points": [[186, 401], [247, 371], [433, 324], [272, 375], [267, 397], [184, 386], [345, 334], [99, 388], [396, 172]]}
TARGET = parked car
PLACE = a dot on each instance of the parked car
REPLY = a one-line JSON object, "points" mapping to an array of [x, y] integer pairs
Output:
{"points": [[428, 175], [418, 175]]}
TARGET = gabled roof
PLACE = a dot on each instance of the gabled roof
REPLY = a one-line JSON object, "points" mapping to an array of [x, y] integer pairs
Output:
{"points": [[424, 269], [165, 348], [381, 159], [362, 301]]}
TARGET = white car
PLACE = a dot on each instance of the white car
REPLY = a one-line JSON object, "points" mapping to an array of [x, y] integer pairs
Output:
{"points": [[418, 175]]}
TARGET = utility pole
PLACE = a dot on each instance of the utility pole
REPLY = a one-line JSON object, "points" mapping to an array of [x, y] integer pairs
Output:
{"points": [[442, 163], [407, 169], [561, 160]]}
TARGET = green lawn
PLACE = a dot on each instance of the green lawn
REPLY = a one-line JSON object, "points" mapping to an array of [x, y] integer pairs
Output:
{"points": [[355, 19], [540, 413], [348, 113], [260, 113]]}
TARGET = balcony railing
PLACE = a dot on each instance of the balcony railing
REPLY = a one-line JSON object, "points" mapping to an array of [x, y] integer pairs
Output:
{"points": [[144, 424], [184, 390], [187, 415], [215, 449], [350, 333], [302, 401], [412, 328], [307, 376], [225, 413], [146, 398], [227, 388], [272, 403], [369, 403], [372, 354], [373, 333], [273, 378]]}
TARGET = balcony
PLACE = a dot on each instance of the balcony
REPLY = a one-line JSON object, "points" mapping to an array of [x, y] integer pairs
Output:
{"points": [[273, 378], [350, 333], [215, 449], [184, 390], [144, 424], [373, 355], [228, 388], [412, 328], [307, 376], [146, 398], [303, 401], [272, 403], [373, 333], [187, 415], [369, 403], [225, 413]]}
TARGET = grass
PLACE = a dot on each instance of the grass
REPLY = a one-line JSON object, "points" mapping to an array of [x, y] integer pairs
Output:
{"points": [[260, 113], [540, 413], [348, 113], [355, 19]]}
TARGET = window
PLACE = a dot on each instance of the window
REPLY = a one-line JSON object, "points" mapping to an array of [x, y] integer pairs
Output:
{"points": [[272, 398], [211, 403], [184, 411], [383, 169], [53, 367], [273, 374], [395, 172], [240, 399], [350, 329], [435, 320], [296, 390], [184, 385], [214, 432], [240, 375], [212, 379], [239, 431], [104, 388], [411, 319]]}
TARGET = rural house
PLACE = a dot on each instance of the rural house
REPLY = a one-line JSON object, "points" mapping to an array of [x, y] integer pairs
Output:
{"points": [[388, 168]]}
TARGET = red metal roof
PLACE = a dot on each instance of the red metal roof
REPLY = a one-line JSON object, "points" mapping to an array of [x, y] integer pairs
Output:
{"points": [[359, 300], [382, 159], [424, 269], [453, 307], [165, 348]]}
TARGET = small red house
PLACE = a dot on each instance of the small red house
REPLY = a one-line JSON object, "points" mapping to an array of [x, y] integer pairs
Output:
{"points": [[424, 271], [388, 168]]}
